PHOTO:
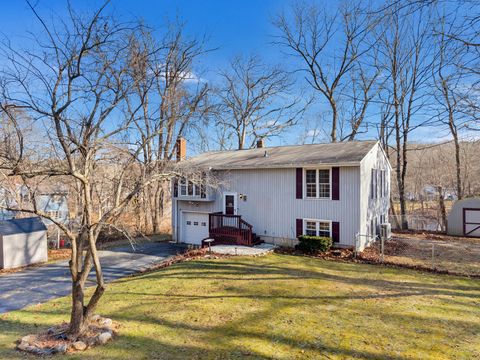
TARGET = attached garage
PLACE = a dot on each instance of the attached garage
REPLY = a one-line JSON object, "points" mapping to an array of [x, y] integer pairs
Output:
{"points": [[22, 242], [194, 227], [464, 218]]}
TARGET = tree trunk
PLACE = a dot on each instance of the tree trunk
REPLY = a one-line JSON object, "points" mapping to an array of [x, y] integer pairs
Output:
{"points": [[443, 212], [78, 310], [334, 120], [458, 165]]}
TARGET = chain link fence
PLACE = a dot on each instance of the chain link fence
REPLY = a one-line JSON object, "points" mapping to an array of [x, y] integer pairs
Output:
{"points": [[417, 222], [427, 251]]}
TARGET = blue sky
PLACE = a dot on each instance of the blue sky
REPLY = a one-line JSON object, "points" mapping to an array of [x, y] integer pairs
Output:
{"points": [[234, 27]]}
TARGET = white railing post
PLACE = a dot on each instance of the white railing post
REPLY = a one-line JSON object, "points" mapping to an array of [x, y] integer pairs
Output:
{"points": [[356, 246]]}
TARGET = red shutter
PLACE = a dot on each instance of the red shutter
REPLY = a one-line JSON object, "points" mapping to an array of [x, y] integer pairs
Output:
{"points": [[299, 183], [335, 231], [299, 227], [335, 183]]}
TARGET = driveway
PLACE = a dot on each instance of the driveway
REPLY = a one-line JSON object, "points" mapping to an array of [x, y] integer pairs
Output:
{"points": [[43, 283]]}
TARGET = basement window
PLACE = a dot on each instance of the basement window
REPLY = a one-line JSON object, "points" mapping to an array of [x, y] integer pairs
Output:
{"points": [[317, 228]]}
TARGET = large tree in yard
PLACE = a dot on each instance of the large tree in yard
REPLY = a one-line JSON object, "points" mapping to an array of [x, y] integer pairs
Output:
{"points": [[77, 87]]}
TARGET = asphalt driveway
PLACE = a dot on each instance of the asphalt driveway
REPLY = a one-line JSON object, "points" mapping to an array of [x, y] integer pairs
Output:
{"points": [[40, 284]]}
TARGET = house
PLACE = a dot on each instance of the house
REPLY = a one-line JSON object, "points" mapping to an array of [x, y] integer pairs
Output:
{"points": [[50, 199], [22, 242], [276, 194]]}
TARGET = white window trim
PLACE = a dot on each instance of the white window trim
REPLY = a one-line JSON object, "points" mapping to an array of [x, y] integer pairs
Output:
{"points": [[304, 185], [197, 193], [317, 225]]}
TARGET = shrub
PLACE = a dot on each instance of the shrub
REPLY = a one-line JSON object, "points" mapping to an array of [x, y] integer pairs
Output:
{"points": [[314, 244]]}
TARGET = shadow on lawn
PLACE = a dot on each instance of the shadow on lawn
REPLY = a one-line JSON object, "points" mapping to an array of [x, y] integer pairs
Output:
{"points": [[224, 340], [191, 351], [141, 347], [224, 335], [240, 271]]}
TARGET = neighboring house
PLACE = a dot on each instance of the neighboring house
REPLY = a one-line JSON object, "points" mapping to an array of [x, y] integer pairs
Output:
{"points": [[52, 200], [340, 190], [22, 242]]}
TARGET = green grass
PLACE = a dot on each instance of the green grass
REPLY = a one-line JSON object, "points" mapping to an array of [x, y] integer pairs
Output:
{"points": [[278, 306]]}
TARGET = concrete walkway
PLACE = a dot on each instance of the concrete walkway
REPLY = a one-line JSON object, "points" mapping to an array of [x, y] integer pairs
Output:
{"points": [[40, 284], [243, 250]]}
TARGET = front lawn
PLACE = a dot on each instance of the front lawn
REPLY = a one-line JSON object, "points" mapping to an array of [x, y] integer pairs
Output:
{"points": [[277, 306]]}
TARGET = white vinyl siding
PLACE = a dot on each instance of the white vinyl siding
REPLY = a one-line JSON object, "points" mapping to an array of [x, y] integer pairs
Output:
{"points": [[272, 208], [267, 200], [374, 193]]}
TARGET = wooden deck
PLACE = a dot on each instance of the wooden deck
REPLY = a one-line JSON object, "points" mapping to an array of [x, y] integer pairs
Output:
{"points": [[231, 229]]}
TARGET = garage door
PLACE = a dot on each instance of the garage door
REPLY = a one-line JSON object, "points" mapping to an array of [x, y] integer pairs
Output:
{"points": [[194, 227], [471, 222]]}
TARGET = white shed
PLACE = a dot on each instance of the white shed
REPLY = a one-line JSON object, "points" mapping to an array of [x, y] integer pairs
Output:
{"points": [[464, 218], [22, 242]]}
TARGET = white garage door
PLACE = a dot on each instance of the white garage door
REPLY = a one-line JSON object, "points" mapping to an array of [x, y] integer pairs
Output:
{"points": [[471, 222], [194, 227]]}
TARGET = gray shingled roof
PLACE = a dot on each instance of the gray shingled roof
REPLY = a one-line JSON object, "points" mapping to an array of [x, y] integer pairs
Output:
{"points": [[18, 226], [341, 153]]}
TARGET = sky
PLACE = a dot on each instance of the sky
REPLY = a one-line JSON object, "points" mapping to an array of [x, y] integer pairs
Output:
{"points": [[233, 27]]}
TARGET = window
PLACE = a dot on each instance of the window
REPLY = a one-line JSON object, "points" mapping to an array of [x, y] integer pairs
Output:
{"points": [[324, 183], [183, 187], [188, 188], [382, 176], [317, 228], [373, 184], [324, 229], [195, 223], [383, 183], [54, 214], [189, 223], [317, 183], [204, 223], [311, 183], [311, 228]]}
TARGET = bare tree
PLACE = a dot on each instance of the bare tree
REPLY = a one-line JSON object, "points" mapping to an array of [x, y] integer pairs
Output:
{"points": [[465, 34], [448, 80], [254, 103], [78, 86], [174, 104], [330, 46], [405, 45]]}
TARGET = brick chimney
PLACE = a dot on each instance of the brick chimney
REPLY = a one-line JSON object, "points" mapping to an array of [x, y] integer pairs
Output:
{"points": [[260, 143], [181, 149]]}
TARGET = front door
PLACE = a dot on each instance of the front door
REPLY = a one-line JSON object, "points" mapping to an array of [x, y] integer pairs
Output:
{"points": [[230, 203]]}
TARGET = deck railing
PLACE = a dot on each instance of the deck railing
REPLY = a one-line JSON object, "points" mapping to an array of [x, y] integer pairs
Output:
{"points": [[230, 228]]}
